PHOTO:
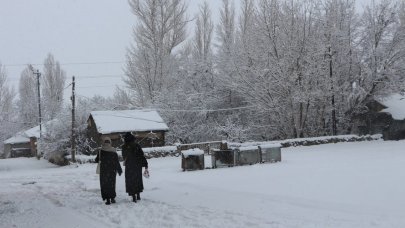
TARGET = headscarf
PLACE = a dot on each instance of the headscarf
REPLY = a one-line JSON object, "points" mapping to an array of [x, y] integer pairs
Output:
{"points": [[106, 146], [128, 137]]}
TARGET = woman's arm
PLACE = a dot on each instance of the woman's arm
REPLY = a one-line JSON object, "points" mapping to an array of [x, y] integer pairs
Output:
{"points": [[144, 161], [97, 157], [118, 165], [124, 152]]}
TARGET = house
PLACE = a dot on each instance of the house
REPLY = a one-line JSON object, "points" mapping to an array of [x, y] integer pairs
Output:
{"points": [[17, 146], [147, 126], [23, 144], [385, 116]]}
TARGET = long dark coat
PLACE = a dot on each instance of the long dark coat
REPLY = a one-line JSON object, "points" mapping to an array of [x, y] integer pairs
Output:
{"points": [[134, 159], [109, 167]]}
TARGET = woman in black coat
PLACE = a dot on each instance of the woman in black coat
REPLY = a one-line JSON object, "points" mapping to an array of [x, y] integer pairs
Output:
{"points": [[134, 160], [109, 167]]}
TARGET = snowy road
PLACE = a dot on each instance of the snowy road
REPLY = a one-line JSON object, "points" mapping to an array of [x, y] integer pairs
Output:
{"points": [[339, 185]]}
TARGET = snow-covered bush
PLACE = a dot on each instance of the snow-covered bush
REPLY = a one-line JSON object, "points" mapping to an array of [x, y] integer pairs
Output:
{"points": [[54, 142], [166, 151]]}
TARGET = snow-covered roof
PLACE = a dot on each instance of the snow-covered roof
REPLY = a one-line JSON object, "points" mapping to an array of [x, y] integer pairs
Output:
{"points": [[19, 138], [33, 132], [24, 136], [270, 145], [395, 106], [128, 120], [248, 148], [166, 149], [191, 152]]}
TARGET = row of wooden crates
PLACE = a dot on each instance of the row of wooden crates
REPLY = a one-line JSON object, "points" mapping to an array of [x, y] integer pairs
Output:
{"points": [[193, 159]]}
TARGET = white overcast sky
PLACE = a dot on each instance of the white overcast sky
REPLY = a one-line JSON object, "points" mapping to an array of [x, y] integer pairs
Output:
{"points": [[88, 37]]}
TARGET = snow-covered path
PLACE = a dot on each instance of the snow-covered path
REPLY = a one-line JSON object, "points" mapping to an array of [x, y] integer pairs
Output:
{"points": [[339, 185]]}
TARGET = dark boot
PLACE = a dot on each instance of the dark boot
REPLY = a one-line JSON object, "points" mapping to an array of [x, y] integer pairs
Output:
{"points": [[138, 196], [134, 198], [112, 200], [108, 202]]}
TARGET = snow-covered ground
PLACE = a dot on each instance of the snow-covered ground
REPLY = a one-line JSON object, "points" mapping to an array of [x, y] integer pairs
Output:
{"points": [[337, 185]]}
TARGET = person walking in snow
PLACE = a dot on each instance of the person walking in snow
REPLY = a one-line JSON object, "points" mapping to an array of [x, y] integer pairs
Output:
{"points": [[134, 160], [109, 167]]}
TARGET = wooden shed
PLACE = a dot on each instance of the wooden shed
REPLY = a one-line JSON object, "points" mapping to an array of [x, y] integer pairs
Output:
{"points": [[23, 144], [147, 126], [17, 146], [385, 116]]}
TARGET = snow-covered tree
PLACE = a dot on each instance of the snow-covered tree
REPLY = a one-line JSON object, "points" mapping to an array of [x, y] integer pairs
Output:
{"points": [[226, 46], [55, 144], [280, 69], [202, 75], [28, 103], [161, 27], [7, 112], [383, 48], [53, 83], [338, 28], [7, 96], [122, 99], [195, 86]]}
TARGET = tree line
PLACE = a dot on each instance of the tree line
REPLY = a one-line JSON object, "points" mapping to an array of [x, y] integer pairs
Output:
{"points": [[304, 68], [272, 69]]}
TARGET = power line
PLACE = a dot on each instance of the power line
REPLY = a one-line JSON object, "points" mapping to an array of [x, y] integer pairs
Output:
{"points": [[65, 64], [90, 99], [100, 86], [184, 110], [102, 76], [57, 94], [83, 77]]}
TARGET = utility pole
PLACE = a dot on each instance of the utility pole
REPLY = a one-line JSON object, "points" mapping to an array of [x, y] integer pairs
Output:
{"points": [[39, 103], [73, 149]]}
